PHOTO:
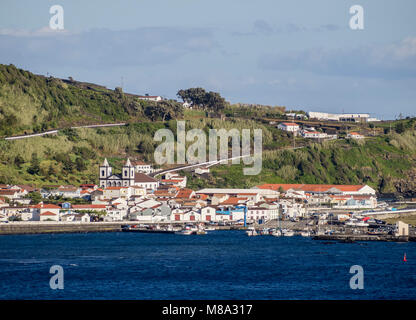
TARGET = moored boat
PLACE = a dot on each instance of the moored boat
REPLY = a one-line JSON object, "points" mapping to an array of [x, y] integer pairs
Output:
{"points": [[276, 233], [185, 232], [288, 233], [251, 232], [305, 234]]}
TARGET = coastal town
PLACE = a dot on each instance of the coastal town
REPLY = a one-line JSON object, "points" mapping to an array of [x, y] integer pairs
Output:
{"points": [[137, 198]]}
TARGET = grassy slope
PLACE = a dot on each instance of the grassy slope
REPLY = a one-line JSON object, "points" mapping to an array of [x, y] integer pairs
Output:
{"points": [[31, 103]]}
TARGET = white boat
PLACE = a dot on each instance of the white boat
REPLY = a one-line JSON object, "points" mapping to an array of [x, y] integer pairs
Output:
{"points": [[210, 228], [185, 232], [305, 234], [264, 231], [276, 233], [188, 230], [251, 232], [288, 233]]}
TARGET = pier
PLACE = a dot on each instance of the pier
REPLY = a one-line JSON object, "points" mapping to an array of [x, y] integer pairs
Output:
{"points": [[58, 227], [36, 227], [364, 237]]}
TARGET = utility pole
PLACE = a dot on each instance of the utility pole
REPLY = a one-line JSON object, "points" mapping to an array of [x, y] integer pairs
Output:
{"points": [[294, 142]]}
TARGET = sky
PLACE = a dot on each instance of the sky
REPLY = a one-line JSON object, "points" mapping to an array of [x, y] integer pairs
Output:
{"points": [[301, 54]]}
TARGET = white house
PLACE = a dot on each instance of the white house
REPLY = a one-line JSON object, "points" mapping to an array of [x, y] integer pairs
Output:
{"points": [[12, 193], [117, 192], [355, 135], [201, 170], [144, 181], [192, 215], [317, 135], [288, 126], [260, 213], [140, 166], [146, 97], [208, 214], [49, 216], [42, 212], [114, 214]]}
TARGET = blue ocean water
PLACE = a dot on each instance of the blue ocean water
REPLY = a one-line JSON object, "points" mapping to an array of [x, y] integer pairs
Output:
{"points": [[220, 265]]}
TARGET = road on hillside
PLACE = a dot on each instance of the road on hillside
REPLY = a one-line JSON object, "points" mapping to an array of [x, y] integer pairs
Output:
{"points": [[24, 136], [207, 164]]}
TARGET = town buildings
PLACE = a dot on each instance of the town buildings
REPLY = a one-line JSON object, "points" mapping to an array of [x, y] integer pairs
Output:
{"points": [[136, 196]]}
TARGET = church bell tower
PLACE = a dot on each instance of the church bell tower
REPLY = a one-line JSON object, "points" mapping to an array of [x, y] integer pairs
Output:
{"points": [[128, 174]]}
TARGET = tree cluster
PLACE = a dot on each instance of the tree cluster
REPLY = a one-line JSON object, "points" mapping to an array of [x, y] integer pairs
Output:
{"points": [[200, 98]]}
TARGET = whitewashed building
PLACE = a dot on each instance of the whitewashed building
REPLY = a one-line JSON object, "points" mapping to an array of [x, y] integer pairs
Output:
{"points": [[288, 126]]}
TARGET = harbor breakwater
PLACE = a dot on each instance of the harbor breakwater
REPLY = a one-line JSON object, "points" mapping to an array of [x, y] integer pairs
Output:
{"points": [[36, 227], [61, 227]]}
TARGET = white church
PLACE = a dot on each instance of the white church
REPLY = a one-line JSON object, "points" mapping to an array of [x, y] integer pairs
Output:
{"points": [[129, 177]]}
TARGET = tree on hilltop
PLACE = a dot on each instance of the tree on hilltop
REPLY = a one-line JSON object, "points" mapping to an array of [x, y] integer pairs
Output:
{"points": [[200, 98]]}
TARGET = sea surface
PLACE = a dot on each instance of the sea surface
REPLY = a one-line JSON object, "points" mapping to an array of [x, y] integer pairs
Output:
{"points": [[219, 265]]}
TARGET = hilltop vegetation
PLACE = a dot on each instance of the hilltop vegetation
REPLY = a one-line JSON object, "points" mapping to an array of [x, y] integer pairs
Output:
{"points": [[33, 103]]}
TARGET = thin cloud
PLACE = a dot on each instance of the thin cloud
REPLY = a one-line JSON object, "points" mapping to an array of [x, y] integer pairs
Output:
{"points": [[101, 48], [262, 27], [396, 60]]}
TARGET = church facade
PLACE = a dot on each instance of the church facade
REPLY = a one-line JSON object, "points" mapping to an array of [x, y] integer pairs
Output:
{"points": [[128, 178]]}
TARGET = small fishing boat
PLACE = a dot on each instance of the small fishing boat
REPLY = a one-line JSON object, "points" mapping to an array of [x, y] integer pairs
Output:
{"points": [[288, 233], [185, 232], [277, 233], [264, 232], [251, 232], [305, 233]]}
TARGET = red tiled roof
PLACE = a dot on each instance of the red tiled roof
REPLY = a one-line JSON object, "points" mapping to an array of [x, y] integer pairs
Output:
{"points": [[8, 191], [45, 206], [289, 124], [233, 200], [184, 193], [311, 187], [48, 213]]}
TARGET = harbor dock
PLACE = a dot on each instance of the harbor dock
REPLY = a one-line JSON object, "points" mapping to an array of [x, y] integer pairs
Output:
{"points": [[36, 227], [363, 237]]}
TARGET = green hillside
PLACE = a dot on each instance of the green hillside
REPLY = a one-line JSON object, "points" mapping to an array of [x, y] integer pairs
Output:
{"points": [[32, 103]]}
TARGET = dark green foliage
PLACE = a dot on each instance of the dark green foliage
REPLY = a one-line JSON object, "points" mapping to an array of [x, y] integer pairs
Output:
{"points": [[18, 161], [80, 164], [400, 128], [34, 165], [199, 98], [84, 153], [164, 110]]}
